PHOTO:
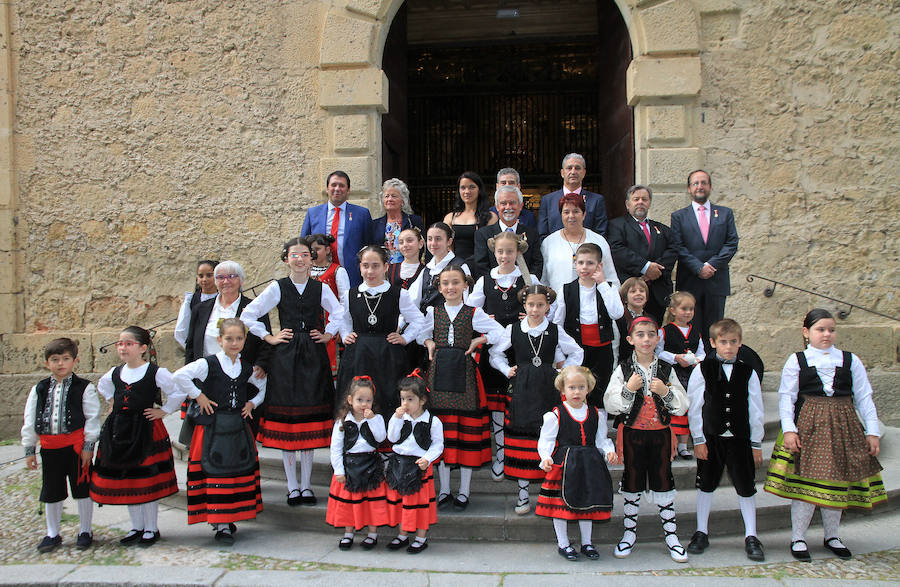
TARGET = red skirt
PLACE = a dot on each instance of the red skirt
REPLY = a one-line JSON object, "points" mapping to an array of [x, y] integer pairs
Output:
{"points": [[365, 508], [413, 512], [296, 427], [219, 500], [679, 425], [551, 505], [467, 439], [520, 455], [152, 479]]}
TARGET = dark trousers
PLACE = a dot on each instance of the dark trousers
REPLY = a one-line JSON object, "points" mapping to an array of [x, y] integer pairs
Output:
{"points": [[735, 455], [708, 310]]}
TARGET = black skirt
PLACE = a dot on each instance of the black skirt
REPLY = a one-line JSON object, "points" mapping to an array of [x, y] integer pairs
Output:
{"points": [[586, 483], [384, 362]]}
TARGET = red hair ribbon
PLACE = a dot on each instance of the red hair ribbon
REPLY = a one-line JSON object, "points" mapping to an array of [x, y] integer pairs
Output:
{"points": [[641, 319], [417, 373], [365, 378]]}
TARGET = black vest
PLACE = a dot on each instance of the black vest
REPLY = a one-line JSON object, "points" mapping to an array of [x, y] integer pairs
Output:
{"points": [[301, 313], [352, 432], [230, 393], [140, 395], [430, 295], [505, 311], [572, 321], [663, 372], [387, 311], [548, 340], [573, 432], [421, 432], [74, 414], [810, 384], [676, 343], [725, 401]]}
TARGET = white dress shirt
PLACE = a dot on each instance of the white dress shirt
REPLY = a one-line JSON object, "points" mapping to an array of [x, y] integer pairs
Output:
{"points": [[183, 324], [481, 322], [164, 381], [410, 447], [588, 304], [90, 406], [342, 221], [696, 390], [825, 361], [271, 297], [550, 430], [567, 350], [376, 425], [410, 316], [199, 369]]}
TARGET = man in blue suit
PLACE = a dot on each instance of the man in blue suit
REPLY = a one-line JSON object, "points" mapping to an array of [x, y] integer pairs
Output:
{"points": [[706, 239], [348, 223], [573, 172]]}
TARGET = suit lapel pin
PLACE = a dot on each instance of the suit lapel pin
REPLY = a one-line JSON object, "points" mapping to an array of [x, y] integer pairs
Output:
{"points": [[350, 216], [715, 213], [657, 229]]}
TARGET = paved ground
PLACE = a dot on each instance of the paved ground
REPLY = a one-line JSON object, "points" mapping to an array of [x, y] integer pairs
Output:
{"points": [[265, 555]]}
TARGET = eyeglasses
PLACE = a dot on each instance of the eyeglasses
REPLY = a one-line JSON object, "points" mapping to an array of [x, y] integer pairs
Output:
{"points": [[695, 184], [299, 255], [124, 344], [227, 276]]}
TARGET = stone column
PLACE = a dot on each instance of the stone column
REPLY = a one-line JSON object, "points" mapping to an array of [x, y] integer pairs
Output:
{"points": [[12, 315]]}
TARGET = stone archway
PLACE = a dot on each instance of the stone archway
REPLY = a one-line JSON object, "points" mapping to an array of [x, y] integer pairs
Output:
{"points": [[663, 84]]}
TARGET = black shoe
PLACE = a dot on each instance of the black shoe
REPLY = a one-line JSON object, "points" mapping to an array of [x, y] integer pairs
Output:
{"points": [[85, 540], [589, 551], [754, 548], [369, 543], [49, 544], [307, 497], [699, 542], [800, 555], [145, 542], [398, 543], [461, 503], [225, 537], [416, 547], [444, 501], [293, 498], [841, 552], [232, 527], [345, 543], [132, 536], [568, 553]]}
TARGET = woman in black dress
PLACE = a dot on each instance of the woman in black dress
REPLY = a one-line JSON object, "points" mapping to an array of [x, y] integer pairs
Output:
{"points": [[471, 211]]}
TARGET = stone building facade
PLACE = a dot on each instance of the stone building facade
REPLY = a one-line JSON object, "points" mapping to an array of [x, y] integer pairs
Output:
{"points": [[141, 136]]}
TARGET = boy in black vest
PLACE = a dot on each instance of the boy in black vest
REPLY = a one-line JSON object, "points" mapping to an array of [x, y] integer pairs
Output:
{"points": [[726, 420], [63, 413]]}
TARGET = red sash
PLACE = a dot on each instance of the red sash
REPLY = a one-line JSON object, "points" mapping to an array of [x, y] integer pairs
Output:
{"points": [[590, 335], [75, 440]]}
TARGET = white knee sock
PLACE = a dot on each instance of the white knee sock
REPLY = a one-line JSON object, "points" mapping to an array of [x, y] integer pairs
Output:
{"points": [[748, 512], [523, 490], [465, 480], [831, 520], [53, 513], [306, 463], [801, 515], [85, 514], [497, 428], [444, 478], [704, 504], [289, 458], [667, 517], [586, 527], [151, 513], [136, 513], [562, 532]]}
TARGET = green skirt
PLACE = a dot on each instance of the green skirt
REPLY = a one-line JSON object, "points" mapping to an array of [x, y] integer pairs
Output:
{"points": [[782, 481]]}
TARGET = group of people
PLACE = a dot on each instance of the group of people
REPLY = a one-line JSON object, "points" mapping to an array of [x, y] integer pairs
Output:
{"points": [[436, 364]]}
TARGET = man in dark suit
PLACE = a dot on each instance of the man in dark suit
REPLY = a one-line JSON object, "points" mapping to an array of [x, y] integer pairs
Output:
{"points": [[573, 172], [509, 176], [509, 201], [706, 239], [348, 223], [643, 248]]}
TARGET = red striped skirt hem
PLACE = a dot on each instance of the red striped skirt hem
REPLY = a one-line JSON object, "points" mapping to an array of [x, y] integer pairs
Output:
{"points": [[414, 512], [520, 456], [551, 505], [467, 439], [295, 436], [357, 509], [679, 426]]}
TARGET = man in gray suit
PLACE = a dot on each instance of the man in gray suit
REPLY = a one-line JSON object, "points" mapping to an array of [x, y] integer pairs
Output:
{"points": [[706, 239]]}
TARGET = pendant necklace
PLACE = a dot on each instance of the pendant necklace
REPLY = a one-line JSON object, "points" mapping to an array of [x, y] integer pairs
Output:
{"points": [[574, 246], [373, 319], [505, 292], [536, 361]]}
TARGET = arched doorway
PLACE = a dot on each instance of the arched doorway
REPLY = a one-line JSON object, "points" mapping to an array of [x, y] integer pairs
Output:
{"points": [[473, 86]]}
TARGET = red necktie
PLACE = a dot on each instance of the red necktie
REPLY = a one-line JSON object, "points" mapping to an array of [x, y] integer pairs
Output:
{"points": [[335, 224], [646, 231]]}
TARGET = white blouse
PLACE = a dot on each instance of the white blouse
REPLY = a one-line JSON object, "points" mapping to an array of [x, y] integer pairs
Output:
{"points": [[183, 324], [550, 430], [376, 425], [199, 369], [559, 267], [410, 447], [481, 322], [825, 362], [410, 316], [567, 350], [618, 399], [164, 381], [668, 357], [271, 297], [435, 267]]}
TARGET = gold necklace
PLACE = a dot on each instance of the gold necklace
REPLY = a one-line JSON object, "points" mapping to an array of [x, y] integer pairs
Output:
{"points": [[575, 246]]}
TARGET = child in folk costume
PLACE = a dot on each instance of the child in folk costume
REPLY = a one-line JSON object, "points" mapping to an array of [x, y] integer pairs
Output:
{"points": [[205, 289], [634, 294], [681, 346], [326, 269], [457, 395], [586, 312], [374, 347], [439, 240], [223, 468], [538, 347], [823, 456], [418, 438], [62, 412], [300, 387], [357, 495], [573, 447], [134, 465], [405, 272], [645, 393], [497, 294], [726, 421]]}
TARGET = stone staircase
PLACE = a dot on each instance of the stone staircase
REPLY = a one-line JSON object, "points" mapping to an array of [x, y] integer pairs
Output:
{"points": [[490, 514]]}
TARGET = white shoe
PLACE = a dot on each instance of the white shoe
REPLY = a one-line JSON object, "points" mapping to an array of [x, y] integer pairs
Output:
{"points": [[495, 476], [623, 548], [522, 507], [677, 552]]}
